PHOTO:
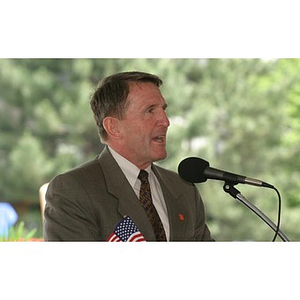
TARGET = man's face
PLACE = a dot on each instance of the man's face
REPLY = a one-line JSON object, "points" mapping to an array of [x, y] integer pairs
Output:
{"points": [[145, 125]]}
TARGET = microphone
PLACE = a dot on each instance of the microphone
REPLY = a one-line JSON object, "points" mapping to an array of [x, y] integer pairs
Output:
{"points": [[196, 170]]}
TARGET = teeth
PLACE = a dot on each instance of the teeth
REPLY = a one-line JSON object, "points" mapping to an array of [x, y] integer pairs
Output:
{"points": [[159, 138]]}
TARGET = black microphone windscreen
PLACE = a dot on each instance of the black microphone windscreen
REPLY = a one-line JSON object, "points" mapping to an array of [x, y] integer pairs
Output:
{"points": [[192, 169]]}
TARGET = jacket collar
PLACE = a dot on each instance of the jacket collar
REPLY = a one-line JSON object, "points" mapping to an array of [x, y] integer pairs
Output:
{"points": [[118, 186], [129, 205]]}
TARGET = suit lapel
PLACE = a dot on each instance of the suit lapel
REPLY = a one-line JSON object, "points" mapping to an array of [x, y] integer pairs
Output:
{"points": [[177, 211], [118, 186]]}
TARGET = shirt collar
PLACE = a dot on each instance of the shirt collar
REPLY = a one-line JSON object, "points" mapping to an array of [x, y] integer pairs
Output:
{"points": [[130, 170]]}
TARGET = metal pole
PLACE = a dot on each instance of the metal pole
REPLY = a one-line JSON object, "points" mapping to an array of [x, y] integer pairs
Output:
{"points": [[230, 189]]}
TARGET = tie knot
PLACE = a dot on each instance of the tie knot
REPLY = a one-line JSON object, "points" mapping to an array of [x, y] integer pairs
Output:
{"points": [[143, 175]]}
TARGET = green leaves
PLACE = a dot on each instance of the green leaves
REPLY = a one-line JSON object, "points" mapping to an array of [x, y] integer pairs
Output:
{"points": [[241, 115], [18, 234]]}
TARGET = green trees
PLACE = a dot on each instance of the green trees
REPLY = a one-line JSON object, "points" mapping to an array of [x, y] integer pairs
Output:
{"points": [[239, 114]]}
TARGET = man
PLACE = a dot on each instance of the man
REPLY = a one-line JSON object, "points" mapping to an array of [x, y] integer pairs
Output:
{"points": [[93, 202]]}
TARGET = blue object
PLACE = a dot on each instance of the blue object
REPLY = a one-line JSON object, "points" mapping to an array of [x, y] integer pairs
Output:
{"points": [[8, 218]]}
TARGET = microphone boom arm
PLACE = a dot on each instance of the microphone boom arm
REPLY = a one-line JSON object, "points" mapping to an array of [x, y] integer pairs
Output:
{"points": [[231, 190]]}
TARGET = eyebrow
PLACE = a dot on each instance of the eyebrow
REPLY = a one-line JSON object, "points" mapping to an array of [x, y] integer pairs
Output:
{"points": [[164, 106]]}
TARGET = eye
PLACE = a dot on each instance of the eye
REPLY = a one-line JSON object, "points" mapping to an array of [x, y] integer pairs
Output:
{"points": [[150, 109]]}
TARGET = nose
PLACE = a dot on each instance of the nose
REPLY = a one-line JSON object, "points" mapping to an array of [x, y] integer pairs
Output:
{"points": [[163, 119]]}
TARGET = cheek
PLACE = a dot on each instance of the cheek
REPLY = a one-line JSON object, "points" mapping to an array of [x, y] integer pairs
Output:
{"points": [[133, 132], [139, 128], [137, 133]]}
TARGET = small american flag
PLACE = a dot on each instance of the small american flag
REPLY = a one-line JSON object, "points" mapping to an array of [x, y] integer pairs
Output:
{"points": [[126, 231]]}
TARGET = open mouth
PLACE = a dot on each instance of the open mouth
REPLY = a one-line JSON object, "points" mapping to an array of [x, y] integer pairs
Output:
{"points": [[160, 139]]}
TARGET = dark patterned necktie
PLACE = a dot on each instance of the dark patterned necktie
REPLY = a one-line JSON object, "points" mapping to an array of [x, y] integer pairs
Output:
{"points": [[146, 200]]}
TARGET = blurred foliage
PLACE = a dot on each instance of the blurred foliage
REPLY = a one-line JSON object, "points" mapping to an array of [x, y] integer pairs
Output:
{"points": [[239, 114], [17, 234]]}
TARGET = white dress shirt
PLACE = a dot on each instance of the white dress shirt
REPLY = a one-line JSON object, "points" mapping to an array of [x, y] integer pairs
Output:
{"points": [[131, 172]]}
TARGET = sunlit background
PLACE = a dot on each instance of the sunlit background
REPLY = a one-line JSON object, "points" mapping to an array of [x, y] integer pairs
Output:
{"points": [[241, 115]]}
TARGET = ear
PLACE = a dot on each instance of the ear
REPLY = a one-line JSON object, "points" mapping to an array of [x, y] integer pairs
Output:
{"points": [[112, 127]]}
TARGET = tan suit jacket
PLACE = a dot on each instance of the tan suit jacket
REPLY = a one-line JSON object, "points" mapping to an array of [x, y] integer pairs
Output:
{"points": [[87, 203]]}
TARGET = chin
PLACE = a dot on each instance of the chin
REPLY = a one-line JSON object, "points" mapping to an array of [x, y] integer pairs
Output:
{"points": [[161, 156]]}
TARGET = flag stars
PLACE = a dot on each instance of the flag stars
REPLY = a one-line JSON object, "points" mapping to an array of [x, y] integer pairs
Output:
{"points": [[126, 231]]}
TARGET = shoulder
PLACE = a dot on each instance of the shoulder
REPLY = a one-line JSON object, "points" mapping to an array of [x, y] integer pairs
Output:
{"points": [[90, 167], [76, 179], [91, 174]]}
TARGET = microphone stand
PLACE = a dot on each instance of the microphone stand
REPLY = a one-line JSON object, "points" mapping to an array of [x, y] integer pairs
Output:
{"points": [[231, 190]]}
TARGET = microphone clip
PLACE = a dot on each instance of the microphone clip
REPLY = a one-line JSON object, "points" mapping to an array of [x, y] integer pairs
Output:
{"points": [[230, 189]]}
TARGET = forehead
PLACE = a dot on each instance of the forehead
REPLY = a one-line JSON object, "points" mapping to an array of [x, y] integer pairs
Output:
{"points": [[143, 93]]}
